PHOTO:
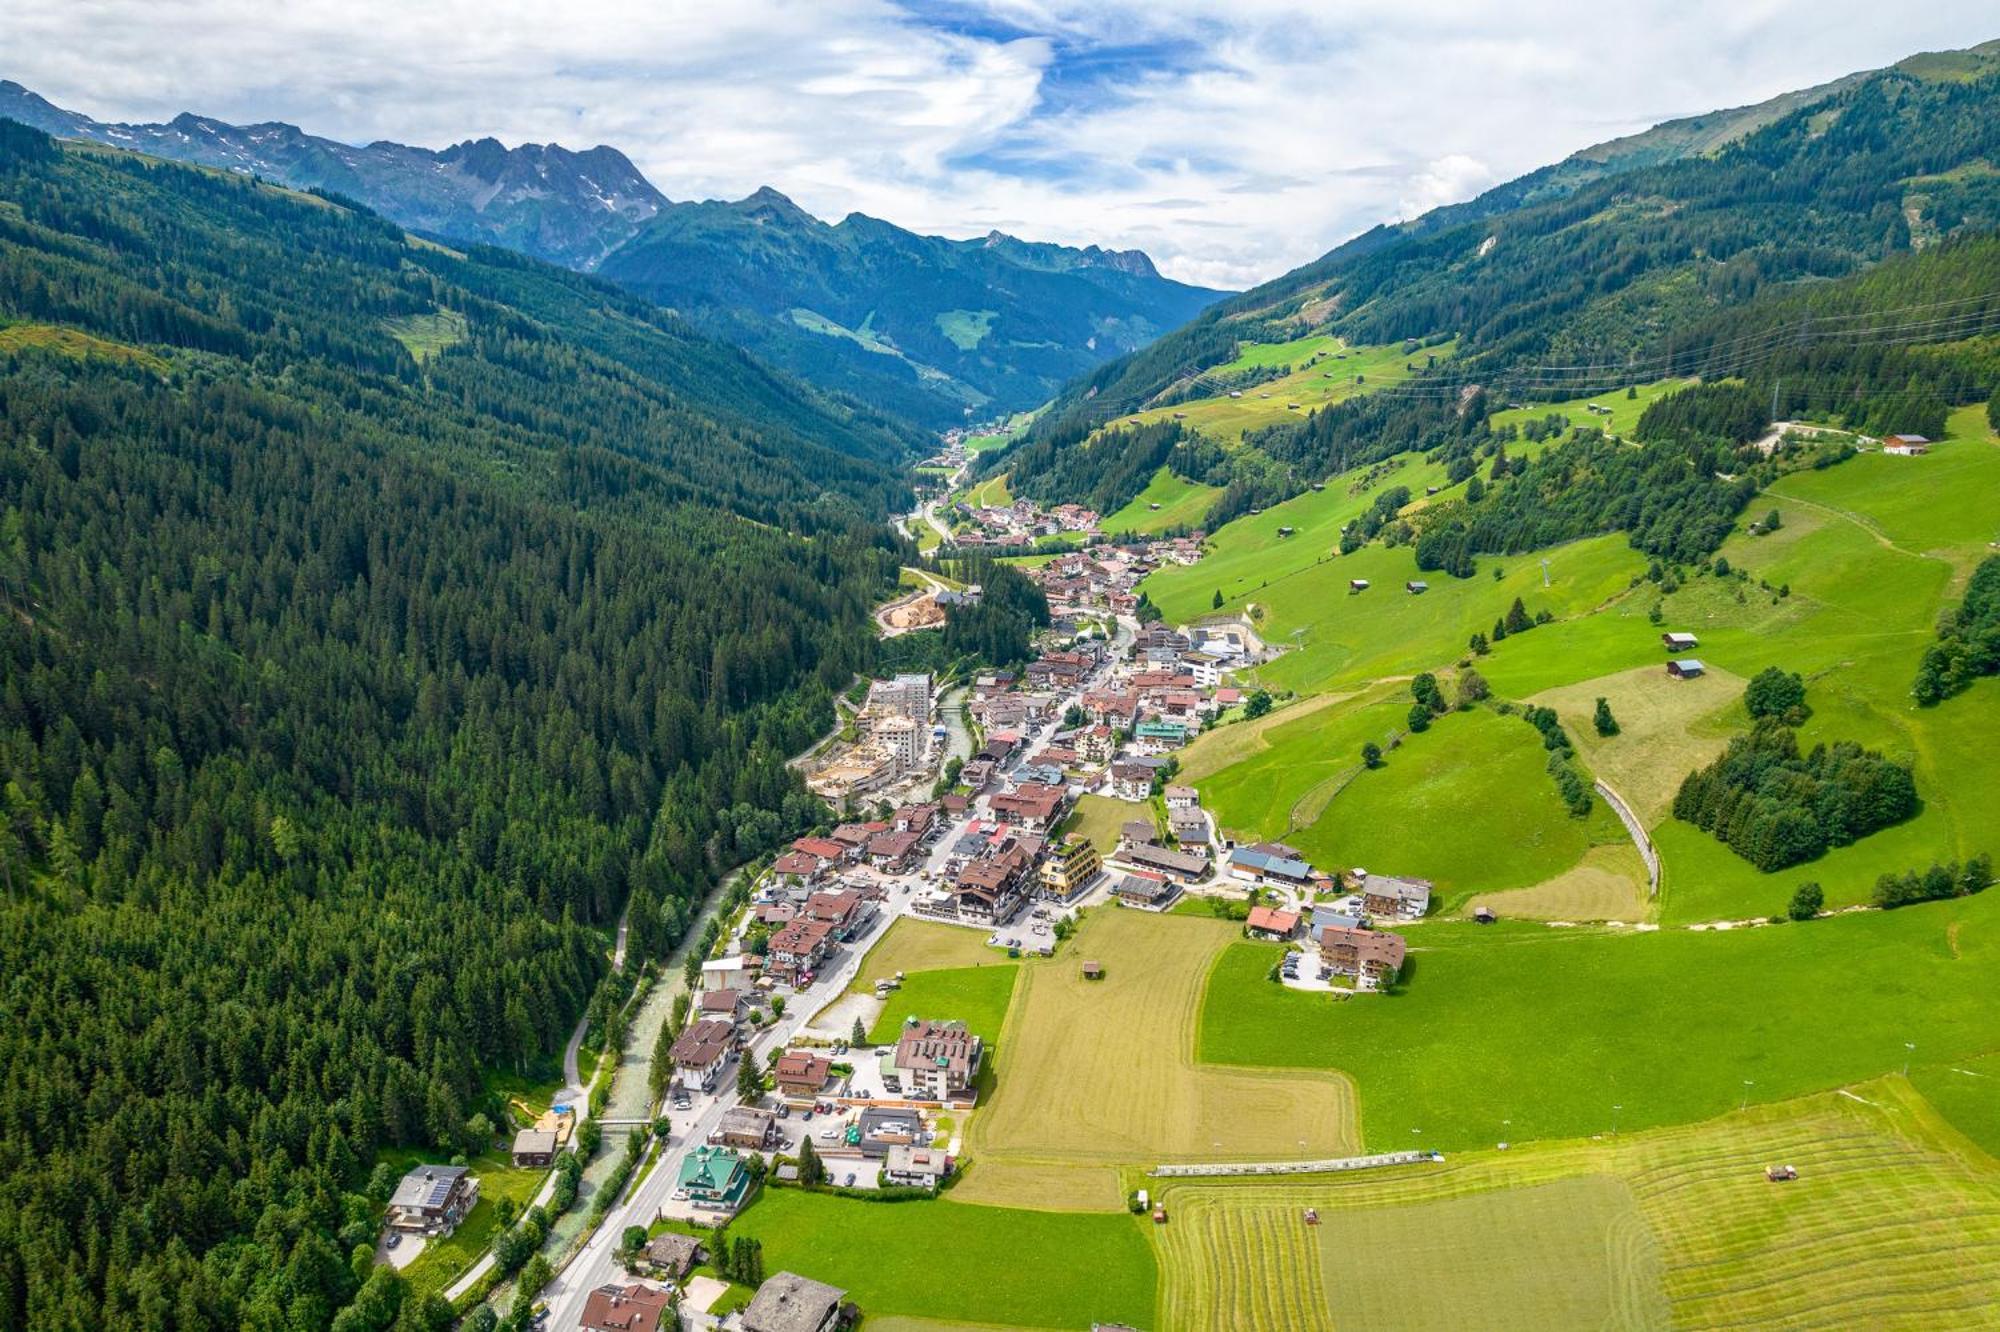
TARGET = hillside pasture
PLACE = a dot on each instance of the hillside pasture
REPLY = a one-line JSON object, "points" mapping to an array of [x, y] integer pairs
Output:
{"points": [[1183, 503], [1520, 1031], [1467, 804], [1666, 729], [1622, 419], [1608, 883], [75, 343], [1344, 373]]}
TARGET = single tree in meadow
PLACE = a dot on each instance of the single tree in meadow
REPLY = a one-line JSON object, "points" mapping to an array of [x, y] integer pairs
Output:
{"points": [[1806, 902]]}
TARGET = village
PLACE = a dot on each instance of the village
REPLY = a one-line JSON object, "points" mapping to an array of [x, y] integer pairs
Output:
{"points": [[1005, 803]]}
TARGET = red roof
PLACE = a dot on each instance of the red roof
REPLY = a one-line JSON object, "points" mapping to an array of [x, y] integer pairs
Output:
{"points": [[633, 1308], [1274, 920], [797, 862]]}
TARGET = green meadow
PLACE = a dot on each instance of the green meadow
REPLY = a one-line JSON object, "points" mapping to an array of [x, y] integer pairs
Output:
{"points": [[976, 996], [1183, 503], [962, 1263], [1343, 373], [1520, 1031], [1621, 419]]}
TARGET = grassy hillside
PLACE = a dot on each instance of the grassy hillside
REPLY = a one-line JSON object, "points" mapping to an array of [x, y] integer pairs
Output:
{"points": [[1180, 504]]}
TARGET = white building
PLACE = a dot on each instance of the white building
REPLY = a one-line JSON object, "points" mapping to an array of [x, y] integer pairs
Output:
{"points": [[905, 696]]}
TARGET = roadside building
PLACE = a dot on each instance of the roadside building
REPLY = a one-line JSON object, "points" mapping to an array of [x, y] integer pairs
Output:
{"points": [[843, 909], [673, 1255], [628, 1308], [713, 1178], [747, 1127], [801, 1074], [722, 1005], [1270, 869], [1146, 890], [700, 1051], [796, 951], [914, 1167], [1361, 953], [1181, 866], [1131, 781], [1035, 805]]}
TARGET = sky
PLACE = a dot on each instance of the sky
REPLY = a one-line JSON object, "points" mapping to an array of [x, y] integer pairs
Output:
{"points": [[1230, 141]]}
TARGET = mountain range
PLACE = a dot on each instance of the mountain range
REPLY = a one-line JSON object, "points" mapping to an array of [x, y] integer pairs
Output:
{"points": [[1599, 257], [935, 329]]}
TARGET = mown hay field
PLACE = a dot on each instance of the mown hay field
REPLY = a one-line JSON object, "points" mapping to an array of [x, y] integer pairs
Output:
{"points": [[1894, 1222], [1104, 1073]]}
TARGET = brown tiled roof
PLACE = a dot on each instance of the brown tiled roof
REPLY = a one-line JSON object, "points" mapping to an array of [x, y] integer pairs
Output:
{"points": [[633, 1308]]}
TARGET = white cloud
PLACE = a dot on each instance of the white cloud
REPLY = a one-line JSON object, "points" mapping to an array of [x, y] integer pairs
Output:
{"points": [[1262, 133]]}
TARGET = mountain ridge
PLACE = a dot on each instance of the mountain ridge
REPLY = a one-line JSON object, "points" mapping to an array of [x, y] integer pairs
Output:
{"points": [[891, 325]]}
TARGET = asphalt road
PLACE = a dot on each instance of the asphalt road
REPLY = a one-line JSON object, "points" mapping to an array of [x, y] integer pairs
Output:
{"points": [[596, 1264]]}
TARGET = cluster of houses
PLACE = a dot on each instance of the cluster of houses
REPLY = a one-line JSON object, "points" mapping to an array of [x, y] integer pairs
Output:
{"points": [[896, 741], [1012, 526], [1106, 577], [1337, 917], [784, 1302]]}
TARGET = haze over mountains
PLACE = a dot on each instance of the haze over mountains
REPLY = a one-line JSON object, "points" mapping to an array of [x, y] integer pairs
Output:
{"points": [[932, 328]]}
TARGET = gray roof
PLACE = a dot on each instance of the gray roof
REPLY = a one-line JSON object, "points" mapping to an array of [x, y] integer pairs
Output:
{"points": [[1265, 863], [426, 1186], [1157, 857], [1151, 890], [1325, 916], [1388, 885], [788, 1302]]}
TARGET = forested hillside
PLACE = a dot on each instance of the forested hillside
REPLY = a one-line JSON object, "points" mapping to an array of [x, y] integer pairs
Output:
{"points": [[1598, 267], [921, 326], [376, 623]]}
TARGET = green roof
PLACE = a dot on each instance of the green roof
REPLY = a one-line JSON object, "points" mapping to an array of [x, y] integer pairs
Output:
{"points": [[712, 1170]]}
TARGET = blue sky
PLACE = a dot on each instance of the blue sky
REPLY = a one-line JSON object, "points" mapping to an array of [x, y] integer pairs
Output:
{"points": [[1229, 140]]}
